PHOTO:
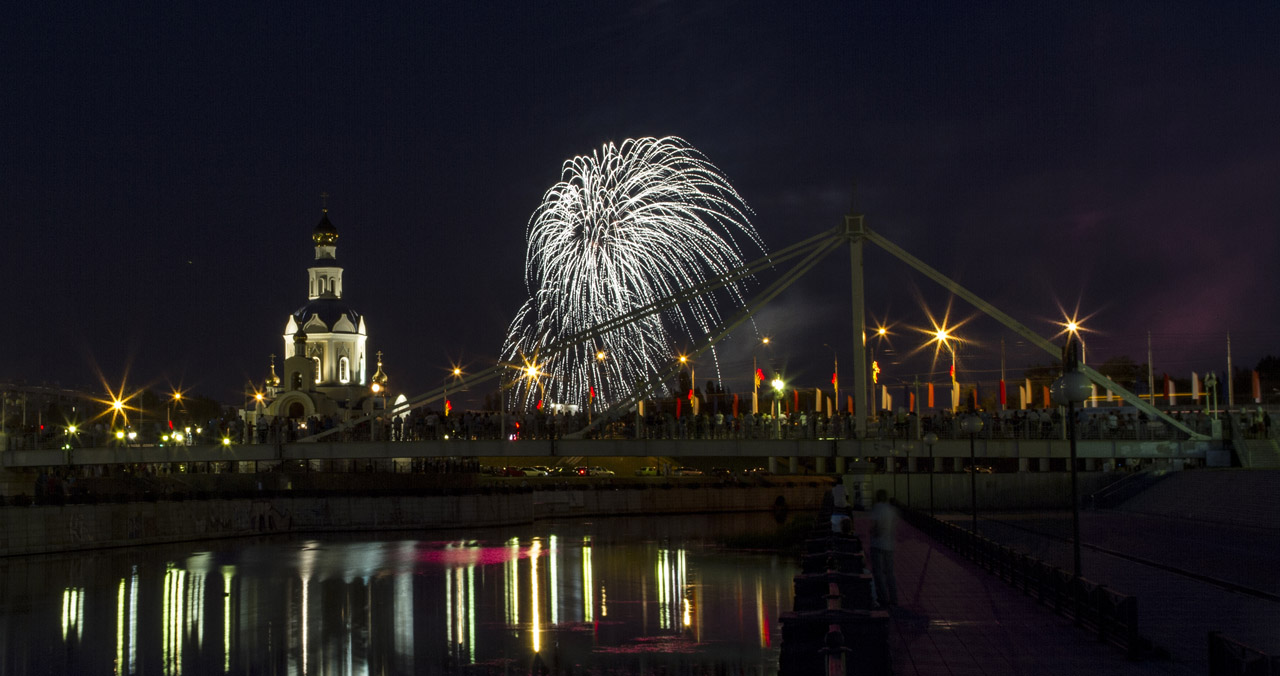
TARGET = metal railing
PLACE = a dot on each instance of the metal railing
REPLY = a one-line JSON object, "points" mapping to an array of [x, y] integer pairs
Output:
{"points": [[1230, 657], [1112, 616]]}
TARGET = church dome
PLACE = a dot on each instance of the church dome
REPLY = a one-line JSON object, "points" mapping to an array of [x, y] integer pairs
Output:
{"points": [[325, 233], [329, 310]]}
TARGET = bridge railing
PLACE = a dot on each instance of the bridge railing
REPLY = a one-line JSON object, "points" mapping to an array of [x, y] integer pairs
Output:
{"points": [[1230, 657]]}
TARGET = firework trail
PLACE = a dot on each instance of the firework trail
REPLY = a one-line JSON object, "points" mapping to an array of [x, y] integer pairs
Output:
{"points": [[626, 226]]}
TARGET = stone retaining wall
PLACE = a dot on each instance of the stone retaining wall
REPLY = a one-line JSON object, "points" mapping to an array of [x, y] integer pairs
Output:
{"points": [[46, 529]]}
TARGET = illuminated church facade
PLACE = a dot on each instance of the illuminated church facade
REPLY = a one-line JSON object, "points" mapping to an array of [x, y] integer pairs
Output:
{"points": [[326, 355]]}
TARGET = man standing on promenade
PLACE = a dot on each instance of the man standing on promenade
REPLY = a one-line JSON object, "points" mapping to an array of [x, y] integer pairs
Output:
{"points": [[883, 519]]}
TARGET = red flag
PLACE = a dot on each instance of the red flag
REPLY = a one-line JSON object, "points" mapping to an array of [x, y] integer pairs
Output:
{"points": [[690, 395], [850, 399], [677, 407], [797, 400], [975, 397], [953, 372], [735, 405], [759, 376], [1046, 396], [930, 395], [834, 380], [1168, 389], [1003, 399], [1257, 388], [911, 398], [593, 392], [539, 404]]}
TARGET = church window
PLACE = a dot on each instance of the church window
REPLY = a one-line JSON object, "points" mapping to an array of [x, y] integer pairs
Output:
{"points": [[344, 370], [317, 362]]}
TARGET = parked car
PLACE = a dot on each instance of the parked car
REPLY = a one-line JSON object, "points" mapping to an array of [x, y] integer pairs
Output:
{"points": [[686, 471], [511, 471], [600, 471], [582, 471], [720, 472], [755, 471], [533, 471], [647, 471], [981, 469]]}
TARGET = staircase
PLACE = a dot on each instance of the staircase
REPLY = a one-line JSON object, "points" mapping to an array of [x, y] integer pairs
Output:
{"points": [[1254, 453]]}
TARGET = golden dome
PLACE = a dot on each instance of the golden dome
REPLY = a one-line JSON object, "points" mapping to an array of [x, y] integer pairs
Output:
{"points": [[325, 233]]}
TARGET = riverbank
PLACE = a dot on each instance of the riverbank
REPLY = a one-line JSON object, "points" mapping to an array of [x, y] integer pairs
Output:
{"points": [[264, 505]]}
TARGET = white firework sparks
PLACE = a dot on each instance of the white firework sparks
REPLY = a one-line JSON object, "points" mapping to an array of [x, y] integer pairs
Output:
{"points": [[625, 227]]}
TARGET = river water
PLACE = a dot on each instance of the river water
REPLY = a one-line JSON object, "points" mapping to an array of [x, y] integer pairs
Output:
{"points": [[604, 596]]}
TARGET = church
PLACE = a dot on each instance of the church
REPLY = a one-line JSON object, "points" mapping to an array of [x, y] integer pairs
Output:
{"points": [[326, 354]]}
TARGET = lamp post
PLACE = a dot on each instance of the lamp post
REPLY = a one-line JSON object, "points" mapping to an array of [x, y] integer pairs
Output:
{"points": [[755, 382], [881, 333], [455, 374], [601, 355], [971, 425], [778, 386], [835, 377], [930, 439], [1073, 387]]}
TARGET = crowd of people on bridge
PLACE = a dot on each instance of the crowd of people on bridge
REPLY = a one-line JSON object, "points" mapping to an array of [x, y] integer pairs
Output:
{"points": [[426, 424]]}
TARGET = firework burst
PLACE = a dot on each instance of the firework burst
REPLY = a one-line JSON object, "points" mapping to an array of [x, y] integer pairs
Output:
{"points": [[628, 225]]}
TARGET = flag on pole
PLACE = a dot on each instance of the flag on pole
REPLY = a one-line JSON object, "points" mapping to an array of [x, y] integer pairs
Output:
{"points": [[817, 400], [796, 397], [1168, 389], [539, 404], [447, 407], [1195, 387], [690, 395], [593, 391], [678, 408], [1257, 388], [930, 395], [1004, 400], [1028, 401], [735, 404], [953, 372], [850, 399], [835, 381], [1046, 397], [759, 377], [911, 398], [975, 397]]}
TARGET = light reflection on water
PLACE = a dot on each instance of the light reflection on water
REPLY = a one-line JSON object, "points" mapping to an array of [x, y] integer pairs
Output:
{"points": [[609, 595]]}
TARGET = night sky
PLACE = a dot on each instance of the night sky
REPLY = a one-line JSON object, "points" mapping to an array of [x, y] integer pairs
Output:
{"points": [[162, 165]]}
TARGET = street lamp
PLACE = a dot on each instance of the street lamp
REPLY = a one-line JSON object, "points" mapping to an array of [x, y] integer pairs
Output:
{"points": [[835, 377], [944, 339], [930, 439], [971, 425], [757, 375], [778, 386], [455, 374], [1073, 387], [601, 355], [881, 334]]}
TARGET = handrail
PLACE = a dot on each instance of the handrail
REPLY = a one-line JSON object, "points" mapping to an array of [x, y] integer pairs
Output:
{"points": [[1228, 656]]}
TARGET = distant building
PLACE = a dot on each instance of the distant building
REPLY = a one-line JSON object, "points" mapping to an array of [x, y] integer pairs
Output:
{"points": [[326, 358]]}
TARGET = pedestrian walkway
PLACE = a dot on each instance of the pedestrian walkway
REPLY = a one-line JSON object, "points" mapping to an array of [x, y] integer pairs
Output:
{"points": [[959, 620], [1190, 577]]}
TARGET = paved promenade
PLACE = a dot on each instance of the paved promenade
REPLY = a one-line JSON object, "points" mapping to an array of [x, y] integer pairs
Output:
{"points": [[1190, 576], [957, 619]]}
